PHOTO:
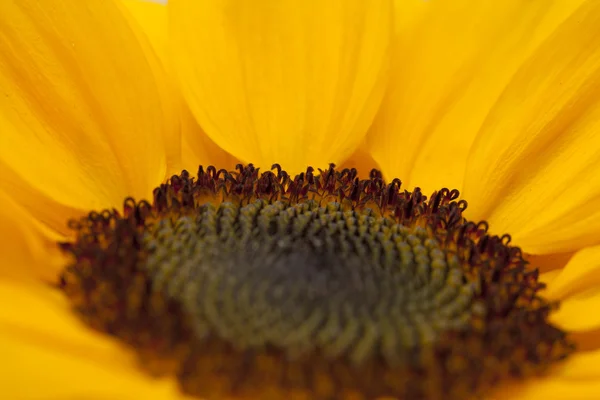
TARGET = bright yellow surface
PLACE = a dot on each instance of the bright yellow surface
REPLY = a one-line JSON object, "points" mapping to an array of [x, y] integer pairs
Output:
{"points": [[499, 100], [29, 250], [281, 80], [81, 99], [534, 167], [49, 354], [581, 273], [196, 148], [451, 62], [153, 19]]}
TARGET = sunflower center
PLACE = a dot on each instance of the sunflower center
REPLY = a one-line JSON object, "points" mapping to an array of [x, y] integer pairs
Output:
{"points": [[324, 286], [305, 277]]}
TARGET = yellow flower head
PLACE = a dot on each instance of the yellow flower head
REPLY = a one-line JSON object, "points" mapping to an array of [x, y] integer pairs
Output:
{"points": [[271, 273]]}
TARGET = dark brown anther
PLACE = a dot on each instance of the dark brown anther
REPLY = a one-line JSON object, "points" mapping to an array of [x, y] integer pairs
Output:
{"points": [[375, 174], [278, 168], [310, 178]]}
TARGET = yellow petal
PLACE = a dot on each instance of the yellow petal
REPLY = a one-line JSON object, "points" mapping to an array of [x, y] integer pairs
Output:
{"points": [[198, 149], [548, 278], [150, 22], [362, 161], [549, 262], [575, 378], [81, 112], [586, 340], [580, 366], [578, 313], [152, 18], [48, 354], [451, 61], [28, 250], [581, 273], [550, 389], [281, 80], [533, 170]]}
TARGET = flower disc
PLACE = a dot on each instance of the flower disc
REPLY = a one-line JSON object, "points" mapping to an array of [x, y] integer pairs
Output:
{"points": [[249, 285]]}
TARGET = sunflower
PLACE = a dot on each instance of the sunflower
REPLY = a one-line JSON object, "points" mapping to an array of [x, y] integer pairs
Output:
{"points": [[108, 101]]}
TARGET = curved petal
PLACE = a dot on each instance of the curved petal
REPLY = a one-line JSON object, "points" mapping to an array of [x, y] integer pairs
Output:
{"points": [[580, 366], [580, 274], [28, 251], [577, 313], [281, 80], [48, 354], [549, 262], [82, 114], [533, 170], [152, 18], [551, 389], [451, 61], [362, 161], [196, 148], [549, 277], [586, 340], [575, 378]]}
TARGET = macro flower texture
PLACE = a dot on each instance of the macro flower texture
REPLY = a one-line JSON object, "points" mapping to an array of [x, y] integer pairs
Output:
{"points": [[319, 199]]}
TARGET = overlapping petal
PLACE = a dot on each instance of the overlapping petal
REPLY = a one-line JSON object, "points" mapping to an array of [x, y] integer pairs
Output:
{"points": [[451, 62], [581, 273], [196, 147], [49, 354], [152, 18], [577, 287], [576, 378], [29, 251], [282, 81], [533, 169], [82, 114]]}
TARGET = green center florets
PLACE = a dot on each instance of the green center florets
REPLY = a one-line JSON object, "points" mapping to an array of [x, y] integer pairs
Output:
{"points": [[317, 287], [304, 278]]}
